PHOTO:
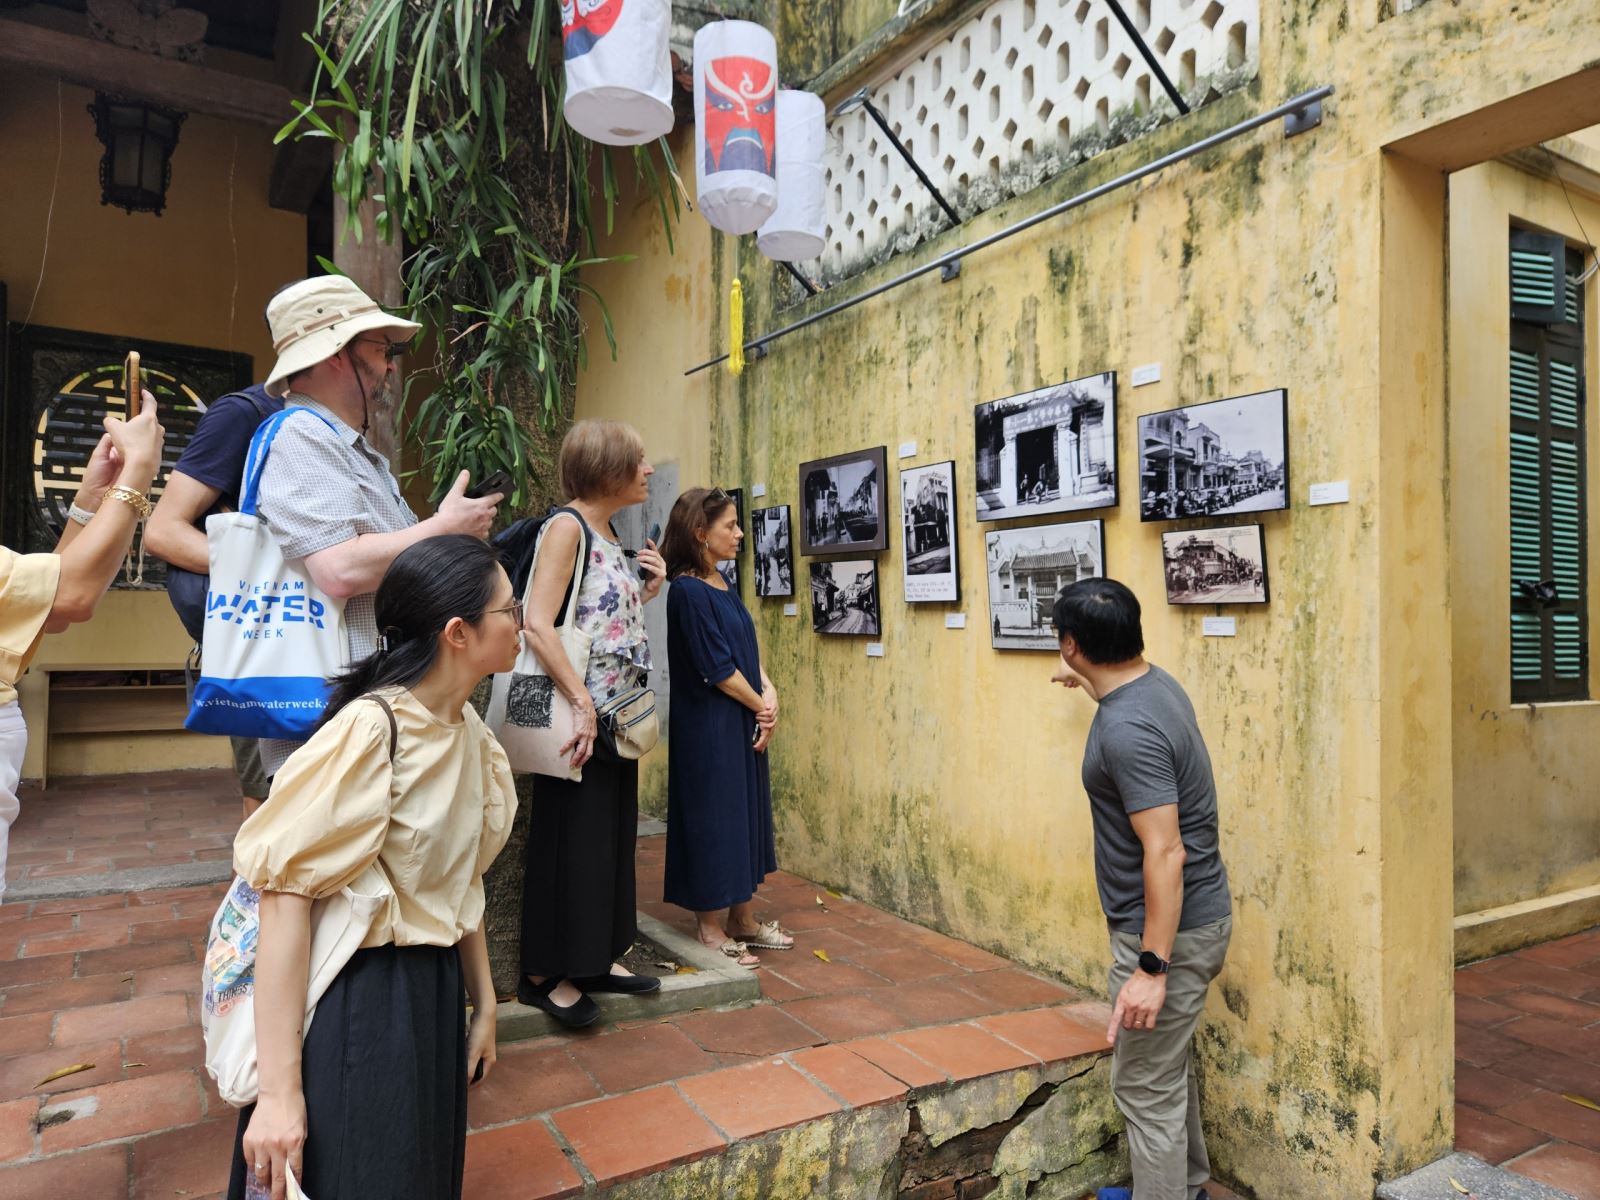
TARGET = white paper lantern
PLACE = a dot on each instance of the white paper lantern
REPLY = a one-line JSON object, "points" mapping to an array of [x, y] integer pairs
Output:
{"points": [[619, 69], [794, 233], [735, 95]]}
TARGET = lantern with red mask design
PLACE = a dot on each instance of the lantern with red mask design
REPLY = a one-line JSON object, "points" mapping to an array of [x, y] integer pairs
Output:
{"points": [[735, 97], [619, 69]]}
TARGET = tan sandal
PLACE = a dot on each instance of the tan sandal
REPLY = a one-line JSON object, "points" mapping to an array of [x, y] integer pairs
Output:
{"points": [[737, 951], [769, 936]]}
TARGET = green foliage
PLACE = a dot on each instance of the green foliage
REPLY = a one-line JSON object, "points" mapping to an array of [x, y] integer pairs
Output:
{"points": [[449, 113]]}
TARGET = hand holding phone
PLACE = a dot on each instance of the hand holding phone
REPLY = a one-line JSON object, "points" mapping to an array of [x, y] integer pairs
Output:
{"points": [[653, 540], [499, 482], [130, 382]]}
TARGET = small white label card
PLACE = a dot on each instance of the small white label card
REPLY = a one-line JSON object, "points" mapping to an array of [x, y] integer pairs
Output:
{"points": [[874, 649], [1218, 627], [791, 610], [908, 449], [757, 490], [955, 620], [1149, 373], [1336, 492]]}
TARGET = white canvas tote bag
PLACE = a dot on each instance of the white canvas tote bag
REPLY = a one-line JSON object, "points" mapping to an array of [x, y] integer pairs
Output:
{"points": [[527, 712], [272, 637]]}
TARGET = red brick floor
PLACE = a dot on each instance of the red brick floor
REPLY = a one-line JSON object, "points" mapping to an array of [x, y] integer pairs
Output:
{"points": [[1528, 1062], [96, 825], [110, 983]]}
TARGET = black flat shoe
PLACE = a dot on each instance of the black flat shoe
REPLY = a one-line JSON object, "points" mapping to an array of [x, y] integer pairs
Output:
{"points": [[580, 1014], [626, 985]]}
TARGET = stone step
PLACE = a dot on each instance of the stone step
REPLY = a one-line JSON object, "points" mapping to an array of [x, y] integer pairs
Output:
{"points": [[1012, 1105]]}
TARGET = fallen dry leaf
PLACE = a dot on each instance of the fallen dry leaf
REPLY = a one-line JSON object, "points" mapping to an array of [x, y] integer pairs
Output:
{"points": [[64, 1072], [133, 1064], [1459, 1186], [687, 971], [823, 955], [667, 966], [836, 895], [1582, 1101]]}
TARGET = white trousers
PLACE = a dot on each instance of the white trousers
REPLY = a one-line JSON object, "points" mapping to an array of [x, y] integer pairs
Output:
{"points": [[13, 742]]}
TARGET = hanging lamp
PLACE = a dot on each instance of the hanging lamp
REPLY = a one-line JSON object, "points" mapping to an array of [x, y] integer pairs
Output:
{"points": [[735, 101], [619, 69], [795, 232]]}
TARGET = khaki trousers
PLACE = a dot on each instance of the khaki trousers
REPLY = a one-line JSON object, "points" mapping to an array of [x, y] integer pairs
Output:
{"points": [[1152, 1075]]}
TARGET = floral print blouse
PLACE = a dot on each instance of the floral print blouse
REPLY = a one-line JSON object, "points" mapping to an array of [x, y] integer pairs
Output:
{"points": [[611, 612]]}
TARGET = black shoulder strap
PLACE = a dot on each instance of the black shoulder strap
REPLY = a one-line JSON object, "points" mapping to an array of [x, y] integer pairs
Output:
{"points": [[394, 727]]}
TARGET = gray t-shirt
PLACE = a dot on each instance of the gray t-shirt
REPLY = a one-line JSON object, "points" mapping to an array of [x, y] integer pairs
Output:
{"points": [[1145, 750]]}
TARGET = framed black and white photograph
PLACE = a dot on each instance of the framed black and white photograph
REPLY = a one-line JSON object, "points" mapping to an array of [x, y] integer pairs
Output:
{"points": [[774, 555], [1227, 565], [1051, 450], [844, 596], [1027, 568], [928, 519], [841, 503], [1221, 457]]}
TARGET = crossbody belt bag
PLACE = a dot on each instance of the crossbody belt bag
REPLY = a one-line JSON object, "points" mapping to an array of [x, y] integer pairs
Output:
{"points": [[626, 726]]}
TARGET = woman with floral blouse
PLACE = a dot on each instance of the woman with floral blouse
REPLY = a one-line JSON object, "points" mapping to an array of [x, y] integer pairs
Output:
{"points": [[578, 889]]}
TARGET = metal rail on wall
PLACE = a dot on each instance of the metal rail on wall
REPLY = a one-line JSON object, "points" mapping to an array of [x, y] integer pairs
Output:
{"points": [[1299, 113]]}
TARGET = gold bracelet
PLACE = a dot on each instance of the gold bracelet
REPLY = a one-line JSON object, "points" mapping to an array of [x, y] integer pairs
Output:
{"points": [[128, 495]]}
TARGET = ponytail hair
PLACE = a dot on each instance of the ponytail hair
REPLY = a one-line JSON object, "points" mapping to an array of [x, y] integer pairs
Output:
{"points": [[428, 584]]}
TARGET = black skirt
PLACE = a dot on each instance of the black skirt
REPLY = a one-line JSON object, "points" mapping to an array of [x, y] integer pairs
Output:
{"points": [[385, 1077], [578, 914]]}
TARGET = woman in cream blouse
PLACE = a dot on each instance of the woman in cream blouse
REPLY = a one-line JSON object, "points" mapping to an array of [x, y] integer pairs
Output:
{"points": [[375, 1103]]}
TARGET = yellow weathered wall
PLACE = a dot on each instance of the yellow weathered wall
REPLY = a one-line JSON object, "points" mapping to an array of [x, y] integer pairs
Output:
{"points": [[199, 275], [943, 779], [1526, 822]]}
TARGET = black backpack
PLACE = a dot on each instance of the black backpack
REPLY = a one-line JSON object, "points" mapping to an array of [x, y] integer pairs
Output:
{"points": [[517, 542]]}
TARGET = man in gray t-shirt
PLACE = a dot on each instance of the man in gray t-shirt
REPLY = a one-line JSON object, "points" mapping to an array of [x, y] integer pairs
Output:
{"points": [[1162, 882]]}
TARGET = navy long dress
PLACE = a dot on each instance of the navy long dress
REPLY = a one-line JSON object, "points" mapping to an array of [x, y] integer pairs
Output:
{"points": [[719, 800]]}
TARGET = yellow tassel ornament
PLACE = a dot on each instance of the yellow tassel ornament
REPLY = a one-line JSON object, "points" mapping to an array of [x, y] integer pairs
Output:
{"points": [[736, 329]]}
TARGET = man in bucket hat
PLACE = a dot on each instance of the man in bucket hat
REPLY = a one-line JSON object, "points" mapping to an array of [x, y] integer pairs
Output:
{"points": [[326, 493]]}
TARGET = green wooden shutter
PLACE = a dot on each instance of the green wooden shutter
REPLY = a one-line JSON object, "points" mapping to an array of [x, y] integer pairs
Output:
{"points": [[1548, 505], [1538, 292]]}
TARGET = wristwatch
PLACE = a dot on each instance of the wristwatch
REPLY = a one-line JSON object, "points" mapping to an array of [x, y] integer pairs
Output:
{"points": [[1152, 963]]}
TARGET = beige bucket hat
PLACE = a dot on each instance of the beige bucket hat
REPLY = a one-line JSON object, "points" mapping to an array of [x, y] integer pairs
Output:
{"points": [[314, 319]]}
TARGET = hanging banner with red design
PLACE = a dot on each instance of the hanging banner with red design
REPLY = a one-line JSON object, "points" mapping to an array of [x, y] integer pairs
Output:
{"points": [[735, 103], [619, 69]]}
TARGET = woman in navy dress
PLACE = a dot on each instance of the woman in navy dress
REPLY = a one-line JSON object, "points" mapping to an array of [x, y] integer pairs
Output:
{"points": [[724, 712]]}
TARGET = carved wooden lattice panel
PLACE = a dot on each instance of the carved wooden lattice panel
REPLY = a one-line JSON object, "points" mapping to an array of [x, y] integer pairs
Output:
{"points": [[1017, 93], [71, 382]]}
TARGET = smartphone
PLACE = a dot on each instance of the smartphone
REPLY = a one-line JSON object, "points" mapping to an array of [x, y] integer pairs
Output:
{"points": [[655, 536], [500, 482], [477, 1074], [130, 382]]}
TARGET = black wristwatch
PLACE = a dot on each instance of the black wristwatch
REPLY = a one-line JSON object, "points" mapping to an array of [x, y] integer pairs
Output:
{"points": [[1152, 963]]}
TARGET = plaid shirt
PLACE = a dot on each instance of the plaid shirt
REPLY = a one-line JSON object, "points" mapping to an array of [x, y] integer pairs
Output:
{"points": [[322, 487]]}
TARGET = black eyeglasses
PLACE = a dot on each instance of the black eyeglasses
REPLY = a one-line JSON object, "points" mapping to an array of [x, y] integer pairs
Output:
{"points": [[391, 350]]}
